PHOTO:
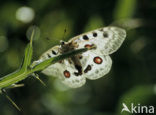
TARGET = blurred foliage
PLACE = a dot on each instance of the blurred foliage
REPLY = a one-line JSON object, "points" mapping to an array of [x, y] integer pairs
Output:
{"points": [[131, 80]]}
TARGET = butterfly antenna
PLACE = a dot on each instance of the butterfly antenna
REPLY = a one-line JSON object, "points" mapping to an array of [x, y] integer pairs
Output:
{"points": [[37, 77], [14, 104], [65, 31]]}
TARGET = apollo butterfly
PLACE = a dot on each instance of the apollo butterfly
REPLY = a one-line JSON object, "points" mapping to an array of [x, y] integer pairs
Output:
{"points": [[91, 64]]}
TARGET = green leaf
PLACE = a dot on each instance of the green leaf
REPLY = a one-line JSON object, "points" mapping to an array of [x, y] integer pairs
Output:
{"points": [[21, 73], [12, 78], [28, 54]]}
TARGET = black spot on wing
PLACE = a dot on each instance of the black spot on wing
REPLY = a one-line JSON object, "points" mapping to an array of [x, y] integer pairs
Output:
{"points": [[105, 34], [53, 52], [49, 56], [95, 34], [85, 37], [80, 57], [88, 68]]}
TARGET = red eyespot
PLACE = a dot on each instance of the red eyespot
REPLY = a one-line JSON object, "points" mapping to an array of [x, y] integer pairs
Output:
{"points": [[88, 45], [67, 74], [98, 60]]}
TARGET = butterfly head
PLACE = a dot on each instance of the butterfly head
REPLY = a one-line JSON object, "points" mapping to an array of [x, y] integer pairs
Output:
{"points": [[62, 42], [66, 46]]}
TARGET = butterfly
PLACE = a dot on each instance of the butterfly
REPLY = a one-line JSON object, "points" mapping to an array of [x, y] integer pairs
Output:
{"points": [[92, 64]]}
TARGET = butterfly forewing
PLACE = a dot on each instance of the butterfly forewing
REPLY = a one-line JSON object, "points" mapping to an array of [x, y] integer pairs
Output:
{"points": [[107, 40]]}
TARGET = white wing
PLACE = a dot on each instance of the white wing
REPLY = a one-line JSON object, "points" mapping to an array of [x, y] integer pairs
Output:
{"points": [[107, 39], [95, 66]]}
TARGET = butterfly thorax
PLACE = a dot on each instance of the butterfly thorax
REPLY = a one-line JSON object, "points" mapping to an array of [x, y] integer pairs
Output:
{"points": [[69, 46]]}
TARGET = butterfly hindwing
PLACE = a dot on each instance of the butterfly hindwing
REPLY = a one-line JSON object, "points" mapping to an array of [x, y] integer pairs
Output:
{"points": [[95, 66], [68, 76]]}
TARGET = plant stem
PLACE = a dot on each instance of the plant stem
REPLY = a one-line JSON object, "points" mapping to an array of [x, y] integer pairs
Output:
{"points": [[21, 74]]}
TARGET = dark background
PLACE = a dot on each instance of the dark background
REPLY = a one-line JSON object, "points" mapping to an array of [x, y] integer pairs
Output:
{"points": [[132, 78]]}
